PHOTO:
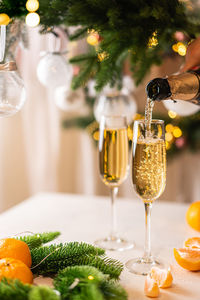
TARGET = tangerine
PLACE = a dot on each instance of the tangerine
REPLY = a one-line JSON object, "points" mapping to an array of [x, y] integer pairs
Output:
{"points": [[188, 258], [163, 277], [15, 269], [151, 288], [17, 249], [193, 215], [193, 243]]}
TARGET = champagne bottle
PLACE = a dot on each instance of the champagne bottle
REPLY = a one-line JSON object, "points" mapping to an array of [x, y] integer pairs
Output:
{"points": [[184, 86]]}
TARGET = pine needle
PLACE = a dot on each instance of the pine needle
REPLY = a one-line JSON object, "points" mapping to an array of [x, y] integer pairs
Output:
{"points": [[58, 257], [38, 239], [88, 282], [13, 290]]}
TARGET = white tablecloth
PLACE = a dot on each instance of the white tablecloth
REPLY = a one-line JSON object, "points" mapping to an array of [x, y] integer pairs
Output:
{"points": [[86, 218]]}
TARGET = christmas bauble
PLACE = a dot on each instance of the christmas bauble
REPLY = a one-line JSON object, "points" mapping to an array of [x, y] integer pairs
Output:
{"points": [[54, 71], [114, 104], [182, 108], [71, 101], [12, 91]]}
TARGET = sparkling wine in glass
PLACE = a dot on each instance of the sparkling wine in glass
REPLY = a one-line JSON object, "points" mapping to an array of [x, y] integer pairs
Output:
{"points": [[113, 167], [149, 178]]}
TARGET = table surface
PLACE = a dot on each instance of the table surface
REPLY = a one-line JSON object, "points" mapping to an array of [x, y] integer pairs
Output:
{"points": [[86, 218]]}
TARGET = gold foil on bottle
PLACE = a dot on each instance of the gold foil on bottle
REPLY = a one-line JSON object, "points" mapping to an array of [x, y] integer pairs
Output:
{"points": [[184, 86]]}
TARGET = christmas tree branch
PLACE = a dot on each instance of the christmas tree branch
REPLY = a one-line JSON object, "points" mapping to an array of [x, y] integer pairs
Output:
{"points": [[38, 239], [125, 27], [49, 260], [79, 279], [16, 290]]}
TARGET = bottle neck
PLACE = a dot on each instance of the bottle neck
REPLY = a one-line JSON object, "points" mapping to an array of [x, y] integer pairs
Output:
{"points": [[185, 86], [158, 89]]}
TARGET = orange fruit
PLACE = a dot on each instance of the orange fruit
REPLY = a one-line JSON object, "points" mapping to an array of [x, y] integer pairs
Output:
{"points": [[151, 288], [193, 243], [193, 215], [16, 249], [163, 277], [15, 269], [188, 258]]}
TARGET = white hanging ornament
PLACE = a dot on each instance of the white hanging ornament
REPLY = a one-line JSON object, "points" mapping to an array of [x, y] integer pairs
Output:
{"points": [[53, 70], [71, 101], [114, 102], [182, 108], [12, 91]]}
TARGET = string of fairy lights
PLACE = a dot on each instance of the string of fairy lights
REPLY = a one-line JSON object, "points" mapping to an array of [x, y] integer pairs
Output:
{"points": [[180, 47], [32, 18], [173, 133]]}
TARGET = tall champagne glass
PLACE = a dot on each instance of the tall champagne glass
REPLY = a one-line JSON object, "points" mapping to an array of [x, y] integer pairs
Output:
{"points": [[113, 166], [149, 177]]}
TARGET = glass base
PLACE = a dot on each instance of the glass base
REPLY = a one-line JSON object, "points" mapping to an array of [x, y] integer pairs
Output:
{"points": [[142, 266], [114, 244]]}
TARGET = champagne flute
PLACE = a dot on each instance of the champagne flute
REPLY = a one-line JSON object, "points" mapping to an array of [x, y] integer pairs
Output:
{"points": [[149, 178], [113, 166]]}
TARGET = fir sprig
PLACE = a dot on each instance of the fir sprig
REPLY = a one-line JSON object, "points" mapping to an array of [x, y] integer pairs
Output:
{"points": [[43, 293], [58, 257], [16, 290], [80, 271], [111, 289], [38, 239], [89, 282], [10, 290]]}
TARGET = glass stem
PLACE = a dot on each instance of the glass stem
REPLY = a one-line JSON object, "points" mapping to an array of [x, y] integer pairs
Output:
{"points": [[113, 194], [147, 245]]}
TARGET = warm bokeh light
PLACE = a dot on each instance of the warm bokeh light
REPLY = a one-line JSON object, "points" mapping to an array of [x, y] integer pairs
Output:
{"points": [[182, 49], [130, 133], [96, 135], [168, 145], [103, 55], [153, 41], [32, 19], [32, 5], [172, 114], [169, 128], [175, 48], [138, 116], [177, 132], [90, 277], [168, 137], [93, 39], [4, 19]]}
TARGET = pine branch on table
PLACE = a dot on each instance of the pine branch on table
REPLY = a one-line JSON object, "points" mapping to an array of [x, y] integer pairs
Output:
{"points": [[16, 290], [71, 254], [89, 282], [38, 239]]}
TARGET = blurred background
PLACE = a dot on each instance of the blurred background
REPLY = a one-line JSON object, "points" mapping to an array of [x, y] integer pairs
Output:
{"points": [[38, 153]]}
